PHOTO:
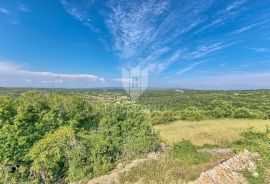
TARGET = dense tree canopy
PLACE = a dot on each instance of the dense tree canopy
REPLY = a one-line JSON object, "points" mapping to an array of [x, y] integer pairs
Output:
{"points": [[48, 138]]}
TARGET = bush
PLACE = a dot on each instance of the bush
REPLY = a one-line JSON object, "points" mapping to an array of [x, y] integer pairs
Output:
{"points": [[7, 110], [50, 155], [162, 117], [244, 113], [257, 142], [187, 152], [127, 125], [192, 114], [49, 138], [221, 109]]}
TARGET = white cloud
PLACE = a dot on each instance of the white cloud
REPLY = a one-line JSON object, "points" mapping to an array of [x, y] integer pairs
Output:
{"points": [[15, 74], [167, 62], [79, 11], [8, 66], [246, 28], [28, 80], [149, 32], [224, 15], [190, 67], [234, 6], [131, 24], [204, 50], [260, 49], [57, 81], [122, 80], [4, 11], [137, 29], [23, 7]]}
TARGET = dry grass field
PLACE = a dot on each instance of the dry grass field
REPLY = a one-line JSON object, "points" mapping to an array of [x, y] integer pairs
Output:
{"points": [[217, 132]]}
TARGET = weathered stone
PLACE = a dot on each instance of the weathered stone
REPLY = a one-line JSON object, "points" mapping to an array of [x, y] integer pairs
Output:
{"points": [[229, 172], [255, 174], [121, 168], [218, 151]]}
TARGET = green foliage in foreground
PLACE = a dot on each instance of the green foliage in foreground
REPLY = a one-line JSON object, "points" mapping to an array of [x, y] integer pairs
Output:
{"points": [[187, 152], [49, 138]]}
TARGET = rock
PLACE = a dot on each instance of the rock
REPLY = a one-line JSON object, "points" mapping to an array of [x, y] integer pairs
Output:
{"points": [[163, 147], [251, 166], [229, 172], [113, 178], [153, 156], [255, 174], [218, 151]]}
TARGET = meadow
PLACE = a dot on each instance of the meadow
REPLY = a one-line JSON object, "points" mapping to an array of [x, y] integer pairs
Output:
{"points": [[184, 162], [214, 132]]}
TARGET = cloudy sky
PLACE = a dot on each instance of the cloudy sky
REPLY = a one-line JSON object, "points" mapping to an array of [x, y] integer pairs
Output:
{"points": [[202, 44]]}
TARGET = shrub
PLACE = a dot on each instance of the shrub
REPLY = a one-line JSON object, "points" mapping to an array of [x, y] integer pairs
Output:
{"points": [[221, 109], [50, 138], [7, 110], [128, 126], [257, 142], [162, 117], [187, 152], [267, 115], [50, 155], [192, 114], [244, 113]]}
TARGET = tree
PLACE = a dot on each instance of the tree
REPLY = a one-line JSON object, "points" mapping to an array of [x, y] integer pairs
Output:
{"points": [[192, 114], [221, 109], [50, 155], [7, 110]]}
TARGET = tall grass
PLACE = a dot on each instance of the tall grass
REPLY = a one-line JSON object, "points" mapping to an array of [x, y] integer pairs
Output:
{"points": [[214, 132], [181, 164]]}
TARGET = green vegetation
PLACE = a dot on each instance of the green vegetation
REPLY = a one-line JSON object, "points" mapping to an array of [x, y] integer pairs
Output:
{"points": [[181, 164], [187, 152], [197, 105], [257, 142], [63, 135], [192, 114], [162, 117], [50, 138], [184, 162]]}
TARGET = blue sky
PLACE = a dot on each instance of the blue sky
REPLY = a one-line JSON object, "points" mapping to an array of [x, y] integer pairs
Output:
{"points": [[202, 44]]}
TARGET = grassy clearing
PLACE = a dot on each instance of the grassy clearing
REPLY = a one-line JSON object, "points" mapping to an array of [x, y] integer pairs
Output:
{"points": [[214, 132], [183, 163], [168, 170]]}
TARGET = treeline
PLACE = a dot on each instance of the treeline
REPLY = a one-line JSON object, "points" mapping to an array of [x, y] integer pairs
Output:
{"points": [[219, 109], [179, 100], [170, 105], [215, 109], [52, 138]]}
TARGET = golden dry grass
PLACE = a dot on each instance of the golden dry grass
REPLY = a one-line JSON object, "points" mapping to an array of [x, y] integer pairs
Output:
{"points": [[214, 132]]}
